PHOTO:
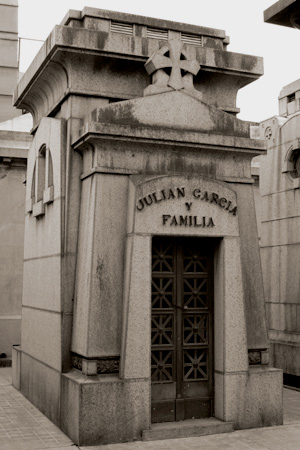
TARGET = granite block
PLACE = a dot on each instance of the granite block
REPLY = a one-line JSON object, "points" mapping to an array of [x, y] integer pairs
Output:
{"points": [[254, 398], [84, 265], [42, 283], [290, 314], [42, 386], [191, 428], [43, 236], [281, 205], [281, 232], [280, 316], [235, 333], [229, 317], [252, 279], [289, 279], [101, 410], [41, 336], [99, 289], [8, 52], [136, 342], [270, 264], [9, 17]]}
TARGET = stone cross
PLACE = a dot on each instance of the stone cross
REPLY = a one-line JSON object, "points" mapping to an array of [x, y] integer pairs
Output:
{"points": [[171, 56]]}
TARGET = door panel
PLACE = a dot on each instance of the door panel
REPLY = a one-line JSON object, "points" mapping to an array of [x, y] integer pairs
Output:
{"points": [[182, 331]]}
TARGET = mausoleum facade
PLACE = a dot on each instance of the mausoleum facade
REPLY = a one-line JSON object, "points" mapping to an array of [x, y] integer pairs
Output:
{"points": [[143, 298]]}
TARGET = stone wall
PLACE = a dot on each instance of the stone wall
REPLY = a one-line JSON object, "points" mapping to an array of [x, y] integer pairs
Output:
{"points": [[280, 241], [13, 160]]}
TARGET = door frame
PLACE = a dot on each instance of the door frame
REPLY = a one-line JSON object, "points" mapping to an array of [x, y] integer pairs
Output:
{"points": [[230, 338], [180, 242]]}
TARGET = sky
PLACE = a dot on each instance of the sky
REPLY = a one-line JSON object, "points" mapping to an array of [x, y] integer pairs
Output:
{"points": [[242, 20]]}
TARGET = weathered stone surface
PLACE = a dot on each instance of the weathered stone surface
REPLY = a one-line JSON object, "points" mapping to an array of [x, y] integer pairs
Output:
{"points": [[164, 165], [281, 205], [99, 287], [42, 386], [41, 336], [176, 205], [280, 236], [234, 322], [175, 110], [125, 415], [135, 362], [254, 398], [270, 261], [41, 287], [252, 279], [86, 41], [13, 154], [187, 428]]}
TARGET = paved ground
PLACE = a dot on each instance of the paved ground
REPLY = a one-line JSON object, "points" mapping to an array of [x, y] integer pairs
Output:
{"points": [[23, 427]]}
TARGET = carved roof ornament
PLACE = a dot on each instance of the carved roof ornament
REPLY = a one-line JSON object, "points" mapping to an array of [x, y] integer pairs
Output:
{"points": [[171, 70]]}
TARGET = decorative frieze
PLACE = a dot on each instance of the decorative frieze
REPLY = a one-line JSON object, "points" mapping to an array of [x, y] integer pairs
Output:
{"points": [[107, 365], [258, 357]]}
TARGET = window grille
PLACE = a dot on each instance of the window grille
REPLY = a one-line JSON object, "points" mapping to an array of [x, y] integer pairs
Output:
{"points": [[193, 39], [123, 28], [156, 33]]}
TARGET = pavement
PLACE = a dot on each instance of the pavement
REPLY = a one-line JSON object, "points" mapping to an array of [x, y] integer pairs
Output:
{"points": [[24, 427]]}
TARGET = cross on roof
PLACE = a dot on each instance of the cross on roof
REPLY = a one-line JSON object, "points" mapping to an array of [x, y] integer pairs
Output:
{"points": [[172, 55]]}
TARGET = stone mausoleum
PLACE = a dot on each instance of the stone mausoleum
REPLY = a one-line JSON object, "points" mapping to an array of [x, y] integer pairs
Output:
{"points": [[143, 306], [280, 197], [280, 239]]}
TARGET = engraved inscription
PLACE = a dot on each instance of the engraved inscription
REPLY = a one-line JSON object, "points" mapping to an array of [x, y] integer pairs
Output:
{"points": [[181, 192], [188, 221], [157, 197]]}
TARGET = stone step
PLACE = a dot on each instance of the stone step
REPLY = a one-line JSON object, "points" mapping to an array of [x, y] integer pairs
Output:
{"points": [[186, 428]]}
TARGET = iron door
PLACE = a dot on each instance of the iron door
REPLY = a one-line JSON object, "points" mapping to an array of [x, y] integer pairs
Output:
{"points": [[182, 329]]}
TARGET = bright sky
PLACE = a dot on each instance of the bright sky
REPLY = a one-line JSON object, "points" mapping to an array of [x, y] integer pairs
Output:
{"points": [[242, 20]]}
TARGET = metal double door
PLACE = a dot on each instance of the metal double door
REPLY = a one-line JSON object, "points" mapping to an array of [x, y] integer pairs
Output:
{"points": [[182, 329]]}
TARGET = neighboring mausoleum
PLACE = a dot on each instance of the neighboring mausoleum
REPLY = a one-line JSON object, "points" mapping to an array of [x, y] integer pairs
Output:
{"points": [[143, 299], [280, 239]]}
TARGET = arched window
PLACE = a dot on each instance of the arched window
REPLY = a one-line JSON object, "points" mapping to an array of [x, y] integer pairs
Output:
{"points": [[49, 181], [41, 173], [33, 184]]}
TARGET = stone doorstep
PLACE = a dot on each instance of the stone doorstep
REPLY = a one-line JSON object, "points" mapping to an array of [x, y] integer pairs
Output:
{"points": [[186, 428]]}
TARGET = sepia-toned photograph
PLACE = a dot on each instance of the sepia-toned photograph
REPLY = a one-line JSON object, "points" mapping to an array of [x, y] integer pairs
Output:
{"points": [[149, 225]]}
